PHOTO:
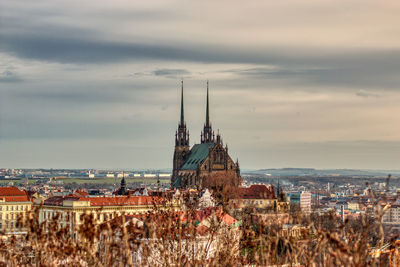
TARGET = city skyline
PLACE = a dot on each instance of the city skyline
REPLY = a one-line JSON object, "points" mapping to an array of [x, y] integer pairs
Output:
{"points": [[306, 84]]}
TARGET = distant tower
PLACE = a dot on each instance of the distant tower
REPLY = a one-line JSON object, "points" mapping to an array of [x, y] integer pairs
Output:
{"points": [[207, 136], [181, 143], [122, 190], [123, 184]]}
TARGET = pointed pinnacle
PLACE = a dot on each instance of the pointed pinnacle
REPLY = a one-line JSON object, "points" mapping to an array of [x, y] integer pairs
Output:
{"points": [[182, 111], [207, 110]]}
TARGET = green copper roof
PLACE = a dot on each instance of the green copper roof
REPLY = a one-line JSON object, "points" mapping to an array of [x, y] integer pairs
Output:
{"points": [[177, 183], [198, 154]]}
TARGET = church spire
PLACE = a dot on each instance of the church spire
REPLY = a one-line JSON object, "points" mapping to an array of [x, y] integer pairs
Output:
{"points": [[207, 110], [182, 135], [182, 123], [182, 149], [207, 136]]}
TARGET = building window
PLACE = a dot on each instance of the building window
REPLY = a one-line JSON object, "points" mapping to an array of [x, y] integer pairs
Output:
{"points": [[7, 208], [12, 207], [1, 207]]}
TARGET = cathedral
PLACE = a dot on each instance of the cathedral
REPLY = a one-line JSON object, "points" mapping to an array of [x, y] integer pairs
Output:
{"points": [[192, 165]]}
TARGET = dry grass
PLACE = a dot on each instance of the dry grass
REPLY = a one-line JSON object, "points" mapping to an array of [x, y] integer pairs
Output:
{"points": [[164, 237]]}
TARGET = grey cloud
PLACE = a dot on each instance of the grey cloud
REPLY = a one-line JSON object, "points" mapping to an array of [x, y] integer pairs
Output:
{"points": [[274, 72], [8, 76], [168, 73], [54, 46], [364, 93], [353, 73], [328, 67], [85, 97], [74, 96], [75, 45], [171, 73]]}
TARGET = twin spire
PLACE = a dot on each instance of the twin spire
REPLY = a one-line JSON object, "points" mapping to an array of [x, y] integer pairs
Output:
{"points": [[182, 123], [182, 135], [207, 108], [207, 135]]}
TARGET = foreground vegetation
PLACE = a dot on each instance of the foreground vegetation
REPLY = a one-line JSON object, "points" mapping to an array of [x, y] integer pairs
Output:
{"points": [[198, 235], [166, 237]]}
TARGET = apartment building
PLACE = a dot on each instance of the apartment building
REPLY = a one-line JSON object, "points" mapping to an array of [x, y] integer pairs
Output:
{"points": [[13, 204]]}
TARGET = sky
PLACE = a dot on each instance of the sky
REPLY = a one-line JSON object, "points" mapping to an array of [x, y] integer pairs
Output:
{"points": [[96, 84]]}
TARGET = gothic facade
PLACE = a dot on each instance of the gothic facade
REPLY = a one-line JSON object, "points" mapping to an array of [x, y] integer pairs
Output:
{"points": [[192, 165]]}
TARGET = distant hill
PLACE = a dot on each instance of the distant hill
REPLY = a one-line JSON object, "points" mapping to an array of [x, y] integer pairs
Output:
{"points": [[323, 172]]}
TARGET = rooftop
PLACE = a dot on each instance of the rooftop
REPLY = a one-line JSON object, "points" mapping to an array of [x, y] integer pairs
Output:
{"points": [[105, 201], [11, 191], [198, 154], [13, 194], [257, 191]]}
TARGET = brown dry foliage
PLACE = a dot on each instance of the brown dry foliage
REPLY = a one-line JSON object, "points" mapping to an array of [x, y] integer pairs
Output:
{"points": [[170, 238], [224, 186]]}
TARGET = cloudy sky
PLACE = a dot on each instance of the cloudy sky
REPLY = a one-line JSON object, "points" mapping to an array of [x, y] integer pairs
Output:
{"points": [[95, 84]]}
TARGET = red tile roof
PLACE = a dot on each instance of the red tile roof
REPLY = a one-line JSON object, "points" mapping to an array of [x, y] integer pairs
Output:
{"points": [[13, 194], [81, 193], [257, 191], [106, 201], [15, 198], [11, 191], [123, 201]]}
